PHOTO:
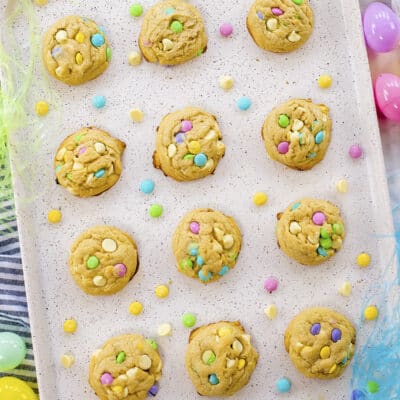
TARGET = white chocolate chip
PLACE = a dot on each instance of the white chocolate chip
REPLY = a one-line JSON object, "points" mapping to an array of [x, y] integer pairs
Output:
{"points": [[96, 353], [100, 147], [167, 44], [271, 311], [164, 329], [77, 166], [126, 391], [346, 289], [59, 71], [90, 178], [209, 164], [61, 36], [134, 58], [297, 125], [109, 245], [144, 362], [219, 233], [228, 241], [313, 239], [237, 346], [171, 150], [342, 186], [294, 137], [226, 82], [246, 338], [132, 372], [99, 281], [230, 363], [272, 24], [123, 378], [67, 360], [294, 37], [110, 170], [61, 153], [294, 228], [217, 247], [210, 135]]}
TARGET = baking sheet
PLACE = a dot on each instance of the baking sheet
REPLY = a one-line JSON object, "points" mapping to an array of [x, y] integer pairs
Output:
{"points": [[336, 47]]}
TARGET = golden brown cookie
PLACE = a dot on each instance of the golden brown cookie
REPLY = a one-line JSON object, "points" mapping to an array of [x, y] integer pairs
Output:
{"points": [[188, 144], [103, 260], [310, 231], [206, 244], [75, 50], [172, 33], [88, 162], [280, 25], [297, 133], [126, 367], [220, 358], [320, 342]]}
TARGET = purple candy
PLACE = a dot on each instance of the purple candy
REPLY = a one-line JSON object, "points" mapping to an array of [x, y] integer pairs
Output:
{"points": [[194, 227], [56, 51], [180, 137], [271, 284], [82, 150], [277, 11], [260, 15], [106, 379], [153, 390], [355, 151], [318, 218], [315, 329], [283, 147], [336, 335], [186, 126], [120, 270]]}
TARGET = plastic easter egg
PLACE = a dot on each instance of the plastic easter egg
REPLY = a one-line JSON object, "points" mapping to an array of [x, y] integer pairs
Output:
{"points": [[387, 96], [12, 351], [15, 389], [381, 27]]}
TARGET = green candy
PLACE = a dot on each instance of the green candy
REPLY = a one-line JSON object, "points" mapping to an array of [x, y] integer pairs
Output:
{"points": [[78, 138], [155, 210], [176, 26], [199, 53], [372, 387], [188, 320], [186, 263], [92, 262], [324, 233], [152, 343], [326, 243], [136, 10], [108, 54], [121, 357], [283, 121], [338, 229], [69, 177], [298, 2], [188, 157], [208, 357]]}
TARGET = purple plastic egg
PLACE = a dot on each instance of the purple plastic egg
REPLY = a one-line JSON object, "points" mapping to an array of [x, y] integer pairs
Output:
{"points": [[381, 27], [387, 96]]}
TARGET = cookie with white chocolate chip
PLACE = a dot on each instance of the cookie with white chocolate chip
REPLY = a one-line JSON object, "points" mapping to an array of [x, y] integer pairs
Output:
{"points": [[102, 260], [188, 145], [220, 358], [126, 367], [310, 231], [320, 342], [297, 133], [206, 244], [88, 162], [280, 26], [172, 33], [75, 50]]}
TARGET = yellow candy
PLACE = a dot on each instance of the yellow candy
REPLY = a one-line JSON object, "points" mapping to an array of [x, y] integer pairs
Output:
{"points": [[161, 291], [134, 58], [325, 81], [54, 216], [333, 369], [136, 308], [363, 260], [345, 289], [271, 311], [79, 58], [67, 360], [224, 331], [325, 352], [226, 82], [137, 115], [194, 147], [80, 37], [371, 313], [241, 364], [41, 2], [41, 108], [260, 198], [70, 326], [117, 389], [342, 186], [14, 389]]}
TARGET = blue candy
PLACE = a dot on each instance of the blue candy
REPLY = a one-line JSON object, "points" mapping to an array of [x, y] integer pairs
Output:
{"points": [[170, 11], [213, 379], [224, 270], [321, 251], [147, 186], [319, 137], [311, 155], [99, 101], [203, 277], [283, 385], [200, 159], [194, 252], [199, 261], [97, 40], [244, 103], [295, 206], [58, 168], [100, 173]]}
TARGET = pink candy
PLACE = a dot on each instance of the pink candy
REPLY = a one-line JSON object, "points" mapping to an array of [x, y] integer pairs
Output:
{"points": [[277, 11], [226, 29], [186, 126], [194, 227], [120, 270], [106, 379], [82, 150], [355, 151], [283, 147], [271, 284], [318, 218]]}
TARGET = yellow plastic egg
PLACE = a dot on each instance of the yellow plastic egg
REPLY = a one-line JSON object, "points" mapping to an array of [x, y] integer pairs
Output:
{"points": [[14, 389]]}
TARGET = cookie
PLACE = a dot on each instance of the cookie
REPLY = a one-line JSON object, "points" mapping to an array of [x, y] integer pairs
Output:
{"points": [[88, 162], [298, 133], [220, 358], [75, 50], [188, 144], [172, 33], [320, 342], [206, 244], [125, 367], [310, 231], [103, 260], [280, 26]]}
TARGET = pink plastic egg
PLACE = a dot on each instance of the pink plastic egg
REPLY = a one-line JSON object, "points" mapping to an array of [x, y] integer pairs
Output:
{"points": [[387, 96], [381, 27]]}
